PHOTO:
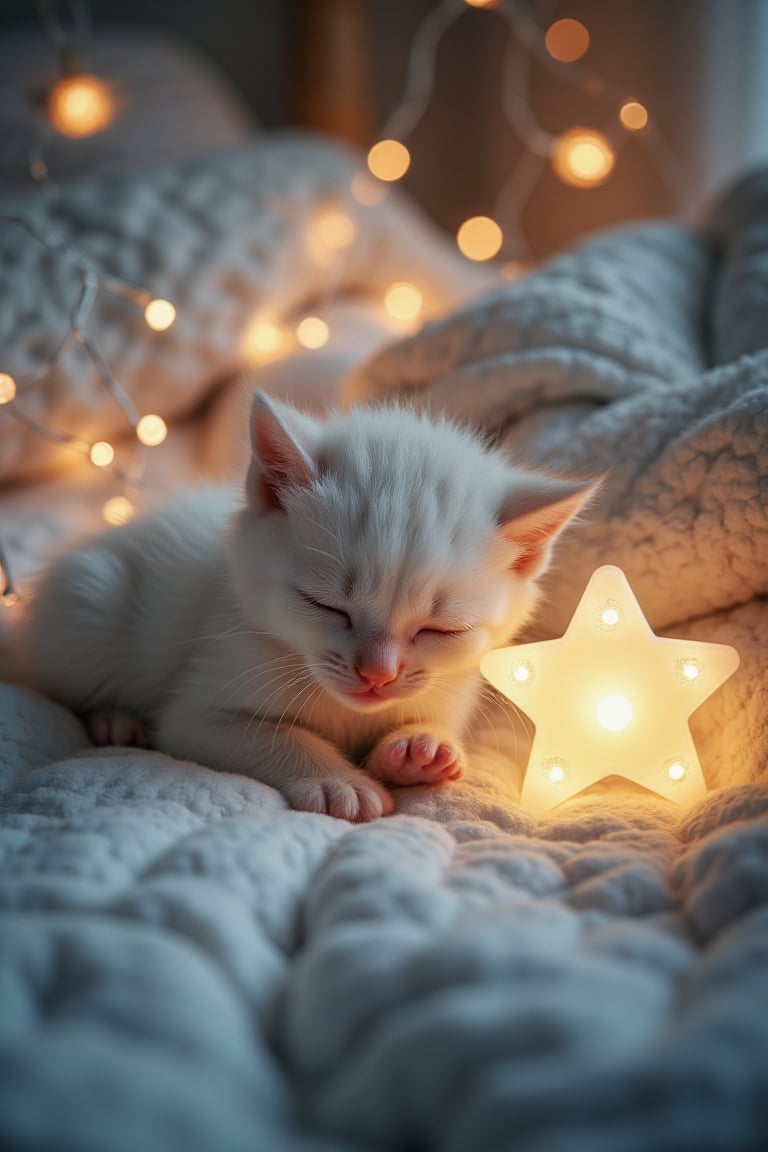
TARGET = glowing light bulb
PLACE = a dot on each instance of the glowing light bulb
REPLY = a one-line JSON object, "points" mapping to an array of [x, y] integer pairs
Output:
{"points": [[555, 773], [312, 332], [567, 40], [403, 301], [118, 510], [676, 770], [334, 228], [690, 670], [609, 616], [151, 430], [582, 157], [481, 3], [521, 673], [614, 712], [479, 238], [80, 105], [262, 340], [389, 160], [633, 115], [102, 454], [159, 314], [7, 388], [368, 191]]}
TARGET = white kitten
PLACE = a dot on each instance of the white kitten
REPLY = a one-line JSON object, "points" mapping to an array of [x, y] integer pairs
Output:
{"points": [[336, 620]]}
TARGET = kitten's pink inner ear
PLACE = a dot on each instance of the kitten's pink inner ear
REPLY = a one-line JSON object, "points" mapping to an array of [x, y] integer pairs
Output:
{"points": [[278, 460], [532, 519]]}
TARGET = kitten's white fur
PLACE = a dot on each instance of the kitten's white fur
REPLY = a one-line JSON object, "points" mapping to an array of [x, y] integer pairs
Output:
{"points": [[380, 552]]}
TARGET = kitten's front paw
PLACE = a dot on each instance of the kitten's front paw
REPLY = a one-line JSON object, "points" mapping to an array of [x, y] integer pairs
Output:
{"points": [[118, 728], [358, 800], [414, 757]]}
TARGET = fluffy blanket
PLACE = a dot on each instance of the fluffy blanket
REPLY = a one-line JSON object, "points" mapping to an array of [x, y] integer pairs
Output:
{"points": [[184, 963]]}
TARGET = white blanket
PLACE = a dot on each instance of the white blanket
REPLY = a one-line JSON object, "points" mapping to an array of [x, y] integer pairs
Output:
{"points": [[184, 963]]}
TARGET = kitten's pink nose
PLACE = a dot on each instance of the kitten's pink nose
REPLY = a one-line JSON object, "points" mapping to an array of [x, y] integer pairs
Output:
{"points": [[377, 675]]}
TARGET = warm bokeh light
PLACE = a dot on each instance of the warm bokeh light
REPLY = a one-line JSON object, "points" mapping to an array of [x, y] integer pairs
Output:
{"points": [[582, 157], [567, 40], [403, 301], [102, 454], [80, 105], [263, 339], [312, 332], [389, 160], [334, 228], [159, 314], [479, 238], [151, 430], [368, 191], [481, 3], [7, 388], [118, 510], [633, 115]]}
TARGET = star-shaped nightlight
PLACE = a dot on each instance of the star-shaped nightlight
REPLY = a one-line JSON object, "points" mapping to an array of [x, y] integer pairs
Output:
{"points": [[610, 698]]}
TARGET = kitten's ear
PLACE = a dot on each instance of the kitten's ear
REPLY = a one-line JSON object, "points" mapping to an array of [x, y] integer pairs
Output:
{"points": [[281, 453], [535, 512]]}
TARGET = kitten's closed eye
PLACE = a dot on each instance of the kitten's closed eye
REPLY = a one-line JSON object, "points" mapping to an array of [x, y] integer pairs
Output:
{"points": [[327, 609], [434, 631]]}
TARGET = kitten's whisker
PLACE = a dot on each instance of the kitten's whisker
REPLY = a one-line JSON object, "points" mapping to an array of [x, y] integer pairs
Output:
{"points": [[250, 675]]}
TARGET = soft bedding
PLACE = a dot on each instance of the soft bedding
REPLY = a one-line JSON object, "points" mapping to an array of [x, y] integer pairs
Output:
{"points": [[185, 963]]}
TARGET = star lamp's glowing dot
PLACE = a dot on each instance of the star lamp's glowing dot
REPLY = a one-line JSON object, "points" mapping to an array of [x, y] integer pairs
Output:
{"points": [[521, 673], [567, 40], [102, 454], [312, 332], [7, 388], [555, 773], [676, 770], [613, 712], [583, 157], [118, 510], [610, 616], [159, 314], [690, 670], [479, 238], [403, 301], [80, 105], [633, 115], [389, 160], [151, 430]]}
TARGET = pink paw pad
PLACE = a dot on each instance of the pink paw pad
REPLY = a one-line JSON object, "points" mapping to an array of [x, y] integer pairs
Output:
{"points": [[420, 759], [117, 728]]}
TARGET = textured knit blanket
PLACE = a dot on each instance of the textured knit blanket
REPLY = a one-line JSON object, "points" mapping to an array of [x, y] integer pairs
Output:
{"points": [[184, 963]]}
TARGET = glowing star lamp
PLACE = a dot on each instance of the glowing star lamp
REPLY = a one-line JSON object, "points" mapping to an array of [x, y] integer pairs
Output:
{"points": [[610, 698]]}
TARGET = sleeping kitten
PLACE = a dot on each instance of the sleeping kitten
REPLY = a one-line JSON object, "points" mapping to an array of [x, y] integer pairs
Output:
{"points": [[336, 619]]}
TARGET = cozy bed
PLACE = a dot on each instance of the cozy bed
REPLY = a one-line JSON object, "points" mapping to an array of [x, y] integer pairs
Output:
{"points": [[187, 964]]}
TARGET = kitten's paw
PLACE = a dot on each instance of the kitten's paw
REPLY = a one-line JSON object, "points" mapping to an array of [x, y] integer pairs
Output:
{"points": [[415, 757], [358, 800], [119, 728]]}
